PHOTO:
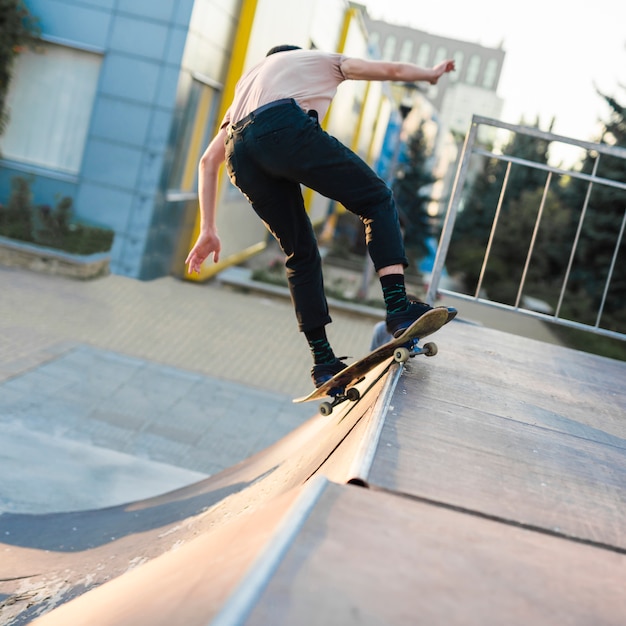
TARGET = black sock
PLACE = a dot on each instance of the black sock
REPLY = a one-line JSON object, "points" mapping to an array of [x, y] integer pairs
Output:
{"points": [[394, 293], [320, 348]]}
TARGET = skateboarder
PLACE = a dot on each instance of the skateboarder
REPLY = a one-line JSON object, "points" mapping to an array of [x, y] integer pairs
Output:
{"points": [[272, 143]]}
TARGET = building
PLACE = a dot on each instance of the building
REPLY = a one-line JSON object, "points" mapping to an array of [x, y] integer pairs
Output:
{"points": [[106, 109], [117, 104], [471, 89], [444, 110]]}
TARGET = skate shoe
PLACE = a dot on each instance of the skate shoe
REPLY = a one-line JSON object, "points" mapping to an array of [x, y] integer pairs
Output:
{"points": [[397, 323], [325, 371]]}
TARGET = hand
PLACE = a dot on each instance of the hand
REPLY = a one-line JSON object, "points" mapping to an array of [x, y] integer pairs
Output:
{"points": [[207, 243], [439, 70]]}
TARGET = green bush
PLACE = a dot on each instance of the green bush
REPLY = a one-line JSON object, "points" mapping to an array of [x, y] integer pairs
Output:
{"points": [[16, 218], [47, 226], [18, 28]]}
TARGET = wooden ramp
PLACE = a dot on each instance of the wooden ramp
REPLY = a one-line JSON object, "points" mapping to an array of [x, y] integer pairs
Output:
{"points": [[497, 495]]}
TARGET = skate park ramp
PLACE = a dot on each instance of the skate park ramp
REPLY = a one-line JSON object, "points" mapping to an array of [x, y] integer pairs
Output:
{"points": [[486, 485]]}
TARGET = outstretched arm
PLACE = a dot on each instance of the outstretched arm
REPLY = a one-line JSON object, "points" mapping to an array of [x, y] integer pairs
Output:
{"points": [[363, 69], [208, 241]]}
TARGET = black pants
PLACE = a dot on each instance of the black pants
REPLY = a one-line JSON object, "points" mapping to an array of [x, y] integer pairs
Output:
{"points": [[268, 156]]}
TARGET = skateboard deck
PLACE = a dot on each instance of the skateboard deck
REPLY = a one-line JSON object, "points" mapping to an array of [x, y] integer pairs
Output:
{"points": [[341, 386]]}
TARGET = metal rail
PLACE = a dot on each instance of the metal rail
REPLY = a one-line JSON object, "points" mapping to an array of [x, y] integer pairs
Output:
{"points": [[471, 148]]}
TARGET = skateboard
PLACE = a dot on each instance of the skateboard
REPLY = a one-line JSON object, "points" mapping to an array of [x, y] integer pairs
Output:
{"points": [[341, 386]]}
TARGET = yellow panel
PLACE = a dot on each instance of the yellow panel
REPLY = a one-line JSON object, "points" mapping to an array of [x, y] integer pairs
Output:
{"points": [[235, 69]]}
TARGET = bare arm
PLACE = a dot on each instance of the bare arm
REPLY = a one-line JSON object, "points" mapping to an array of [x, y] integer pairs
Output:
{"points": [[363, 69], [208, 241]]}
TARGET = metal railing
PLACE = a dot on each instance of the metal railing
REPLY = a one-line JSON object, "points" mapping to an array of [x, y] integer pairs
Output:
{"points": [[461, 181]]}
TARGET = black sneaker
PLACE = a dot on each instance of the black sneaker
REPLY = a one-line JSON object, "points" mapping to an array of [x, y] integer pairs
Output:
{"points": [[325, 371], [397, 323]]}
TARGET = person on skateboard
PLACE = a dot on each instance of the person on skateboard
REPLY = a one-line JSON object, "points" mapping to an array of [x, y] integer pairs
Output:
{"points": [[272, 143]]}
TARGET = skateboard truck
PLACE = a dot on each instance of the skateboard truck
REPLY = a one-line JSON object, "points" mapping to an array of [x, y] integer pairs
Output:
{"points": [[401, 355], [352, 394], [404, 353]]}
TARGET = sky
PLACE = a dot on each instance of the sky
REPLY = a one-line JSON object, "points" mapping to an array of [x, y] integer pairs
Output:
{"points": [[557, 53]]}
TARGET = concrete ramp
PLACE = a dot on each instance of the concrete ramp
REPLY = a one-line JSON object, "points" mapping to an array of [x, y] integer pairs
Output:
{"points": [[496, 494]]}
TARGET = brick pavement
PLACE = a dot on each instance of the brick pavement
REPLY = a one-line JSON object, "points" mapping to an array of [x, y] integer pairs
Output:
{"points": [[194, 376], [209, 329]]}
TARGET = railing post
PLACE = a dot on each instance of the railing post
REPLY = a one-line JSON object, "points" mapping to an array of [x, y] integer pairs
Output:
{"points": [[453, 207]]}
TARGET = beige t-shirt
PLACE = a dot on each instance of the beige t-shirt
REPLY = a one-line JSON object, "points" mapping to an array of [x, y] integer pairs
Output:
{"points": [[310, 77]]}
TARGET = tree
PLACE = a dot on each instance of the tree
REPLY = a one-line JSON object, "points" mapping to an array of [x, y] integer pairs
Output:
{"points": [[412, 178], [18, 28], [602, 223], [474, 222]]}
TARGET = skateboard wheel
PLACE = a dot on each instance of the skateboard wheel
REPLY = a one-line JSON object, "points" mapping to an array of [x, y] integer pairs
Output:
{"points": [[430, 349], [401, 355], [326, 408], [353, 394]]}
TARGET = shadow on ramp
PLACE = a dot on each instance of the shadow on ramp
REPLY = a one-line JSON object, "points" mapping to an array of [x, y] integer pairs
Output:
{"points": [[212, 530]]}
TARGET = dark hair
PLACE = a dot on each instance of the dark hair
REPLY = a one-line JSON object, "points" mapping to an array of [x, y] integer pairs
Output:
{"points": [[276, 49]]}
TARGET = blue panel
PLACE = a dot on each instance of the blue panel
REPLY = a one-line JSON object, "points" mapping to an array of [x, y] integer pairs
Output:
{"points": [[142, 214], [126, 254], [129, 77], [102, 4], [140, 37], [104, 205], [167, 87], [176, 46], [120, 120], [159, 130], [45, 189], [50, 190], [182, 13], [111, 163], [150, 172], [154, 9], [75, 23]]}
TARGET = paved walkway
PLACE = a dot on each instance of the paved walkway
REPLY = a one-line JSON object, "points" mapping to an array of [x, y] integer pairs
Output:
{"points": [[108, 382]]}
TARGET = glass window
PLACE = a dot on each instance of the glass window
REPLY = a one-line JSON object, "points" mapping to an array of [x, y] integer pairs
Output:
{"points": [[390, 48], [50, 103], [406, 52], [458, 64], [423, 54], [489, 78], [440, 55], [473, 67]]}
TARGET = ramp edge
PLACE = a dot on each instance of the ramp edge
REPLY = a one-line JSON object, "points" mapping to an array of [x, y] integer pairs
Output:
{"points": [[364, 457], [241, 602]]}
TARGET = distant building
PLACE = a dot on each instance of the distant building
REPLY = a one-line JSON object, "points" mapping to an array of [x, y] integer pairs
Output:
{"points": [[471, 89], [444, 110]]}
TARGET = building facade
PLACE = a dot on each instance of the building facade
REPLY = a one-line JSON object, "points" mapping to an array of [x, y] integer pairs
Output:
{"points": [[471, 89], [96, 113], [117, 103], [121, 97], [443, 111]]}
